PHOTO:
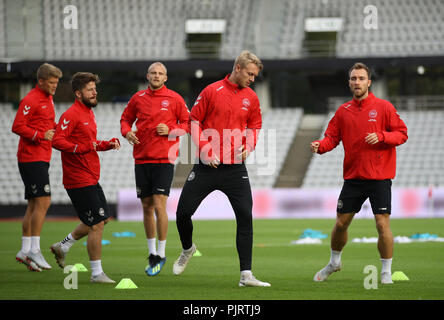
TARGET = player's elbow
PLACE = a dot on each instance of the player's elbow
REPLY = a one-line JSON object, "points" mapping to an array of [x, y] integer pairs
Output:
{"points": [[15, 128]]}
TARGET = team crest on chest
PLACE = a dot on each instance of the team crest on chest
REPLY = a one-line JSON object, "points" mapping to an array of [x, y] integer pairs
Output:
{"points": [[245, 104], [372, 115], [164, 104]]}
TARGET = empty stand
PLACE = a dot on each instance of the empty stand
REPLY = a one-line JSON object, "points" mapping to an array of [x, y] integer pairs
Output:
{"points": [[137, 29], [154, 29], [279, 127], [2, 29]]}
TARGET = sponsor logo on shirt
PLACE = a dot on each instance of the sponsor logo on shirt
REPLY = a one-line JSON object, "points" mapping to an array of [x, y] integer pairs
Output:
{"points": [[26, 111], [65, 124]]}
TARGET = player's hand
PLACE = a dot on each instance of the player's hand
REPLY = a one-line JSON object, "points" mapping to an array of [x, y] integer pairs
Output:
{"points": [[162, 129], [244, 153], [372, 138], [114, 143], [94, 146], [49, 134], [132, 138], [215, 162], [315, 146]]}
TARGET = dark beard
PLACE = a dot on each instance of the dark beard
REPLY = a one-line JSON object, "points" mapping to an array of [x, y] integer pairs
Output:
{"points": [[89, 104], [361, 95]]}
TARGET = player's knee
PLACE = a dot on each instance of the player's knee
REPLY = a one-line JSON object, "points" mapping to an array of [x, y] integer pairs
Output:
{"points": [[182, 216], [98, 226], [159, 207], [382, 227], [148, 207], [148, 212], [342, 225], [42, 203]]}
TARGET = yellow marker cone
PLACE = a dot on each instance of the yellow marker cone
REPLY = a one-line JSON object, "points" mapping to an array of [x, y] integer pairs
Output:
{"points": [[126, 283], [197, 254], [79, 268], [399, 276]]}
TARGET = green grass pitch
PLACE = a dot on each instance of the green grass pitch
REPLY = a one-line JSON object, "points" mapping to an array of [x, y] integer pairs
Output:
{"points": [[215, 275]]}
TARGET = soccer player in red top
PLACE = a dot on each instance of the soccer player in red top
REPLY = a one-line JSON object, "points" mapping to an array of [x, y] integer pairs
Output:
{"points": [[162, 116], [76, 138], [370, 130], [225, 121], [35, 124]]}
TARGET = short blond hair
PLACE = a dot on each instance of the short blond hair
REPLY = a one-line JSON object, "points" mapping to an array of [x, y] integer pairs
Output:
{"points": [[157, 63], [46, 71], [247, 57]]}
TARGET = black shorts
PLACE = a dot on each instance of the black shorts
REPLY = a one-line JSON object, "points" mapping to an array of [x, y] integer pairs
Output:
{"points": [[90, 204], [153, 178], [355, 192], [35, 176]]}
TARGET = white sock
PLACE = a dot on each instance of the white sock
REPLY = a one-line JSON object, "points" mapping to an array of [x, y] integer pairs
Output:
{"points": [[335, 258], [152, 246], [246, 273], [96, 267], [161, 248], [67, 243], [26, 244], [386, 265], [35, 244]]}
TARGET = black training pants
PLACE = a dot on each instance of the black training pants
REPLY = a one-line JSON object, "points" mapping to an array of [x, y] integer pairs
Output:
{"points": [[233, 181]]}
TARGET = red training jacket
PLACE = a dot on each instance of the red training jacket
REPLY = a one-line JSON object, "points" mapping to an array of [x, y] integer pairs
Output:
{"points": [[223, 119], [151, 108], [34, 117], [351, 123], [74, 137]]}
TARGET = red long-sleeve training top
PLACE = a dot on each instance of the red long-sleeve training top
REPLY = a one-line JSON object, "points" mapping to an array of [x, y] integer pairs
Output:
{"points": [[352, 122], [74, 137], [150, 108], [224, 118], [34, 117]]}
